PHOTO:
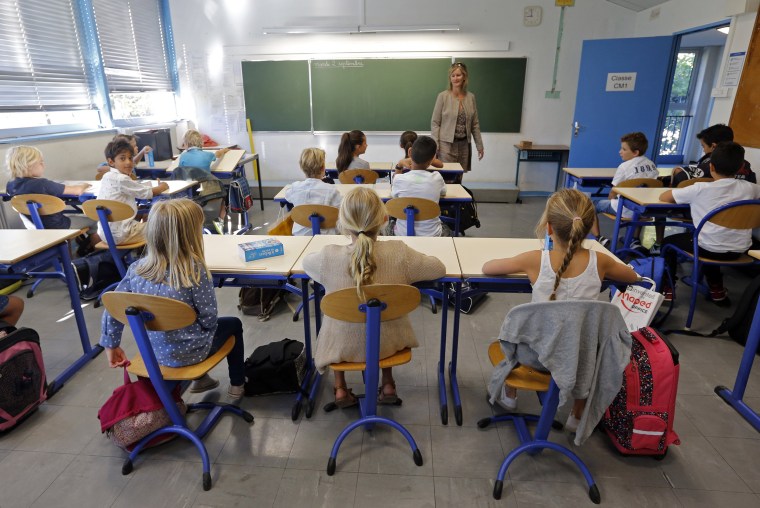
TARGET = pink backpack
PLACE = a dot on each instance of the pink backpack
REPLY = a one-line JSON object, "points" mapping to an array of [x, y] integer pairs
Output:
{"points": [[23, 386], [640, 419]]}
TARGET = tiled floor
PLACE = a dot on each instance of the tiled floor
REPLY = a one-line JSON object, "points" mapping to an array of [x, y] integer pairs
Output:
{"points": [[59, 458]]}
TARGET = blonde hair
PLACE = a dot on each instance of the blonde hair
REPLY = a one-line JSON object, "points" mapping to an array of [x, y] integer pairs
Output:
{"points": [[312, 162], [174, 244], [362, 215], [462, 67], [571, 214], [19, 158], [193, 138]]}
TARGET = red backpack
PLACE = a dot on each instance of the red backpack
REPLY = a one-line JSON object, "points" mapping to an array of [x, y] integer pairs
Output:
{"points": [[640, 419]]}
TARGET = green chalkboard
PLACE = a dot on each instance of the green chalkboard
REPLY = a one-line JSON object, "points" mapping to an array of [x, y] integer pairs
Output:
{"points": [[498, 85], [277, 95], [376, 94]]}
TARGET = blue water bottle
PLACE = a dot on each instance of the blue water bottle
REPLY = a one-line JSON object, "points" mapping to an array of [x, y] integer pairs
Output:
{"points": [[149, 156], [548, 243]]}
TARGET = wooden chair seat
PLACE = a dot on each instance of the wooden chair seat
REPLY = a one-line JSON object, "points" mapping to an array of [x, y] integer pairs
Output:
{"points": [[367, 175], [741, 260], [123, 246], [522, 377], [398, 358], [187, 373]]}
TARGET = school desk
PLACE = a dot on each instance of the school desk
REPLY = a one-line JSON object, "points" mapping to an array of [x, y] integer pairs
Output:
{"points": [[383, 169], [227, 269], [735, 397], [644, 202], [22, 253], [597, 178], [455, 193], [451, 172], [440, 247], [541, 153], [177, 188]]}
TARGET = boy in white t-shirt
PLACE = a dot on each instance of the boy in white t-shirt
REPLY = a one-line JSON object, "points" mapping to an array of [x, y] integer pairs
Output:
{"points": [[635, 164], [715, 242], [312, 190], [420, 183]]}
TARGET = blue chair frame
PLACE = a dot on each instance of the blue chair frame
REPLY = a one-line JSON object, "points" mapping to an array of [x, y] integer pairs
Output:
{"points": [[139, 321], [747, 222], [373, 309]]}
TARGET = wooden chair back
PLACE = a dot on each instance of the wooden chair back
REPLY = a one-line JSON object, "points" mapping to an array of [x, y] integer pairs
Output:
{"points": [[400, 300], [168, 314], [367, 175], [48, 204], [426, 209], [692, 181], [119, 211], [745, 216], [301, 215], [652, 183]]}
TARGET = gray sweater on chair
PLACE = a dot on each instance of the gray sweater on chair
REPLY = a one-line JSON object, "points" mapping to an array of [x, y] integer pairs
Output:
{"points": [[584, 344]]}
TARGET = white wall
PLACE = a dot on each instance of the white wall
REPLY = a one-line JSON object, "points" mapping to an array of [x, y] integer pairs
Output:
{"points": [[214, 36]]}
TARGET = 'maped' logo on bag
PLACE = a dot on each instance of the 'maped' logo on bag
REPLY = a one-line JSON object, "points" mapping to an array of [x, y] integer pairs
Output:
{"points": [[635, 303]]}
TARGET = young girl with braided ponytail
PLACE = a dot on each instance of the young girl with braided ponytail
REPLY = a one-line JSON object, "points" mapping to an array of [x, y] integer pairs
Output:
{"points": [[568, 271], [365, 261]]}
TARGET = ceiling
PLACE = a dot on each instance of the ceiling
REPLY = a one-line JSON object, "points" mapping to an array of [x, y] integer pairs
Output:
{"points": [[637, 5]]}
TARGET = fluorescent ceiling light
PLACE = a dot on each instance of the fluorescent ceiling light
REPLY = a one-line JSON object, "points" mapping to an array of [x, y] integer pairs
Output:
{"points": [[408, 28], [311, 30], [724, 29]]}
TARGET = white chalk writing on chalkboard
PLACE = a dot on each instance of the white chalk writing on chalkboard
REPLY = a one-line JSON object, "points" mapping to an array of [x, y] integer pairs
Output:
{"points": [[338, 64]]}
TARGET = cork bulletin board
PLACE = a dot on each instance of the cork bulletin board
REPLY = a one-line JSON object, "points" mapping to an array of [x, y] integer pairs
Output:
{"points": [[745, 115]]}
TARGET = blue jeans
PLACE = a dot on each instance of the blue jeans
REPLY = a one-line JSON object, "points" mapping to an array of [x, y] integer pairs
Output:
{"points": [[226, 326], [604, 206]]}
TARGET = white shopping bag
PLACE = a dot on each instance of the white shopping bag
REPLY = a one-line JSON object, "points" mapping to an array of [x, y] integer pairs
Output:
{"points": [[638, 305]]}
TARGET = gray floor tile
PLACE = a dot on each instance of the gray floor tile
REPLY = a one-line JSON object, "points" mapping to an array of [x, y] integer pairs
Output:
{"points": [[415, 409], [86, 481], [375, 490], [26, 475], [711, 498], [742, 455], [385, 451], [313, 443], [65, 429], [715, 418], [458, 492], [267, 442], [164, 483], [465, 453], [314, 488], [240, 486]]}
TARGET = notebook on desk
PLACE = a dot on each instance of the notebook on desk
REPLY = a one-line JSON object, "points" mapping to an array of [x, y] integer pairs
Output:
{"points": [[228, 163]]}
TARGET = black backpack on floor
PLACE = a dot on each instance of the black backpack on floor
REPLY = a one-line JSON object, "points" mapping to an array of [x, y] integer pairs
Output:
{"points": [[277, 367], [23, 386], [468, 215], [739, 323]]}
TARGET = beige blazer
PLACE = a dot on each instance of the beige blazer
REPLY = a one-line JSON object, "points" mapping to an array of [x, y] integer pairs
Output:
{"points": [[444, 120]]}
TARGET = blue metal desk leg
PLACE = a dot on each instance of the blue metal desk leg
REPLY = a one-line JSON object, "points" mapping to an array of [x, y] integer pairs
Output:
{"points": [[89, 352], [734, 397], [308, 385], [454, 350], [442, 359], [616, 230], [457, 221]]}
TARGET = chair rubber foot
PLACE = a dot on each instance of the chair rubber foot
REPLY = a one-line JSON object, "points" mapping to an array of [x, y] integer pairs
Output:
{"points": [[330, 406], [127, 467], [458, 415], [295, 411], [417, 456], [295, 318], [206, 481], [557, 425], [445, 415], [309, 409], [497, 486], [248, 417], [593, 494], [484, 422], [331, 466], [30, 293]]}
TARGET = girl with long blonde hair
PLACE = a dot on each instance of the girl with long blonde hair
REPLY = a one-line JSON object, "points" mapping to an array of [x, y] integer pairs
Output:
{"points": [[364, 261], [174, 267]]}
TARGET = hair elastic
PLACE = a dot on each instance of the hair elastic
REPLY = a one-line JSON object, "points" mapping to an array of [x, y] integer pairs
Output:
{"points": [[361, 233], [576, 218]]}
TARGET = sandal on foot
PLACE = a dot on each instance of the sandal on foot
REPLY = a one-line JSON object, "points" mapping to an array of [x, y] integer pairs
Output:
{"points": [[386, 399], [349, 400]]}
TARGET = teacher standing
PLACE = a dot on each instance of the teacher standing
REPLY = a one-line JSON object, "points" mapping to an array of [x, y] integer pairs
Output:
{"points": [[455, 120]]}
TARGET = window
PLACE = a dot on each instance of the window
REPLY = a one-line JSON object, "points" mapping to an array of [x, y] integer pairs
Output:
{"points": [[136, 65], [679, 108], [43, 80]]}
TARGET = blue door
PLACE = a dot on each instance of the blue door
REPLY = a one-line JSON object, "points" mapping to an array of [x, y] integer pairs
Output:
{"points": [[610, 103]]}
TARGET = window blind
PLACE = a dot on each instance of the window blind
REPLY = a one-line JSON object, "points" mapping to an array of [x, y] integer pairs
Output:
{"points": [[132, 45], [41, 64]]}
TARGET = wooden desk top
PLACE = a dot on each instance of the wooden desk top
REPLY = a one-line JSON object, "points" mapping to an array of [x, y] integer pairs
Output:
{"points": [[454, 191], [440, 247], [544, 147], [754, 253], [229, 162], [449, 166], [19, 244], [165, 164], [644, 196], [374, 166], [474, 252], [222, 256], [606, 172], [175, 186]]}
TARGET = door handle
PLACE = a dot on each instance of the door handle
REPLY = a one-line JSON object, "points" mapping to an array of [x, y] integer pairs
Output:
{"points": [[576, 128]]}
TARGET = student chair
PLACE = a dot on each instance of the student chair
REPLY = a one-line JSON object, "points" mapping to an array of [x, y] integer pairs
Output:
{"points": [[737, 215], [692, 181], [412, 210], [652, 183], [384, 302], [531, 318], [316, 217], [106, 211], [143, 313], [209, 194], [358, 176], [31, 208]]}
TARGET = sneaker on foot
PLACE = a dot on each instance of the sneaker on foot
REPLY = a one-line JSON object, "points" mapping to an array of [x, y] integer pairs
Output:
{"points": [[604, 241], [235, 393], [506, 402], [717, 293], [635, 244], [219, 226], [655, 249], [571, 425], [204, 384]]}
